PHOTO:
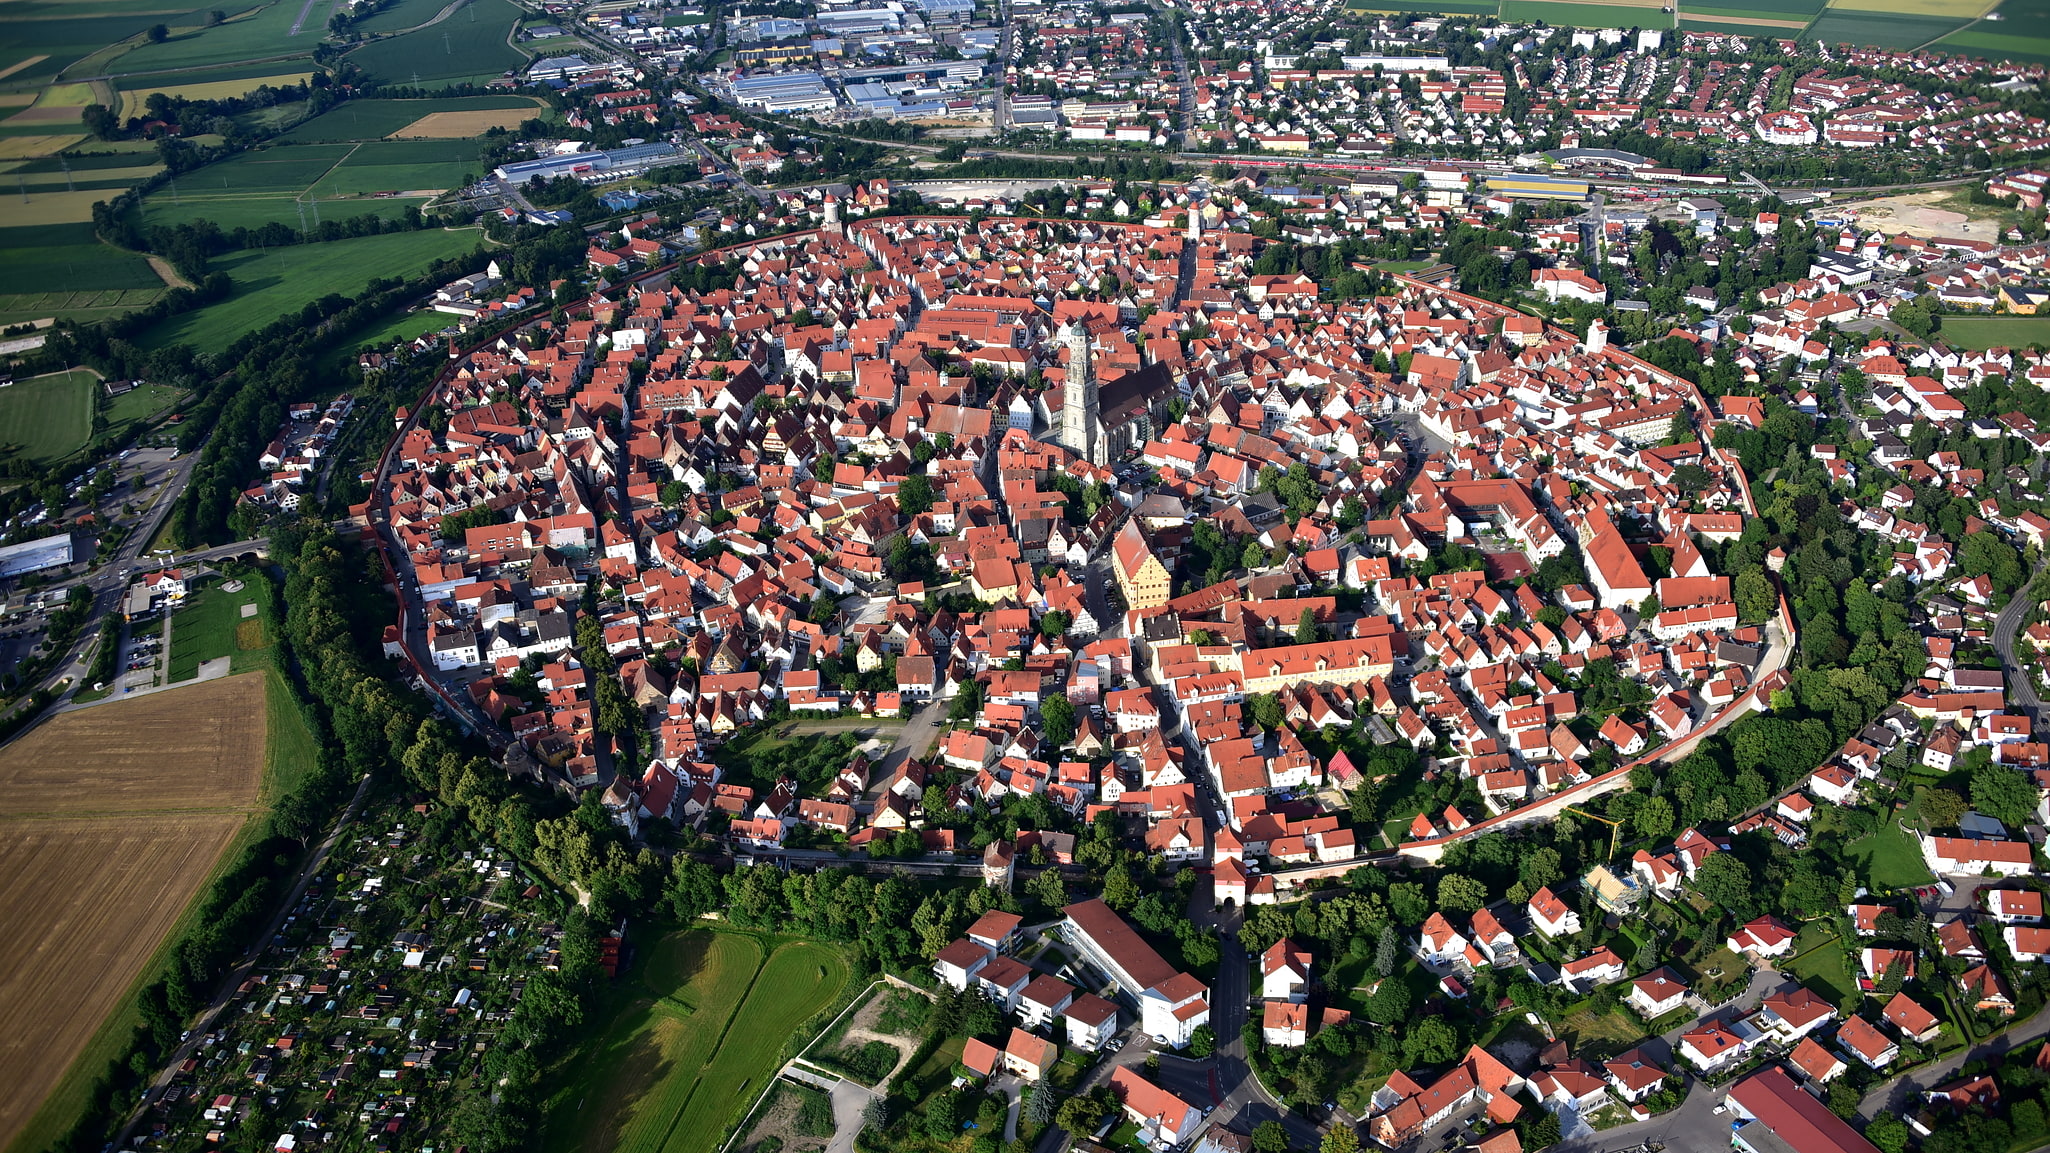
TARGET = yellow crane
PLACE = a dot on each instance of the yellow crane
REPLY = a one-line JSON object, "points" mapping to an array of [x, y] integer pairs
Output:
{"points": [[1615, 828]]}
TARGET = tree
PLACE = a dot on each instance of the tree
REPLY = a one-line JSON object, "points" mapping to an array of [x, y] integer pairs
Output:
{"points": [[1888, 1132], [1267, 711], [1057, 715], [1754, 595], [1270, 1137], [914, 495], [1843, 1098], [1342, 1138], [1655, 819], [1306, 628], [1202, 1041], [1539, 868], [1083, 1112], [1040, 1107], [1941, 808], [1388, 951], [1430, 1042], [2003, 794], [158, 33], [1461, 894], [1054, 623], [1388, 1004], [1048, 889], [1120, 890], [1541, 1132], [1726, 881]]}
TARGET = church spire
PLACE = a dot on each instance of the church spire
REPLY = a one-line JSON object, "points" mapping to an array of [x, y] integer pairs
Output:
{"points": [[1081, 416]]}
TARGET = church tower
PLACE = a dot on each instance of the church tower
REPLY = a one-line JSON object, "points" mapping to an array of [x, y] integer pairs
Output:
{"points": [[1195, 223], [833, 224], [1081, 415]]}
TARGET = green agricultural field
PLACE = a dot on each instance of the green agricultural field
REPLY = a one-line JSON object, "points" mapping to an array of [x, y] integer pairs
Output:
{"points": [[471, 45], [302, 184], [270, 283], [1449, 7], [1565, 14], [63, 32], [266, 33], [67, 257], [402, 14], [1879, 29], [1993, 43], [1995, 331], [673, 1067], [402, 166], [377, 119], [1769, 9], [85, 307], [48, 418], [2018, 17]]}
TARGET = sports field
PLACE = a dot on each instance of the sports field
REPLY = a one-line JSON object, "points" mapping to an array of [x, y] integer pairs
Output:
{"points": [[49, 417], [1995, 331], [377, 119], [270, 283], [111, 820], [694, 1038], [471, 45]]}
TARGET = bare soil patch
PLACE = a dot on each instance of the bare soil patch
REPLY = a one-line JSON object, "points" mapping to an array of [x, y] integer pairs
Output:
{"points": [[463, 125], [1923, 214], [1756, 21]]}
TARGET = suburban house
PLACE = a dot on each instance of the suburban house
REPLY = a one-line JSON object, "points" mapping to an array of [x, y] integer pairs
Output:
{"points": [[1164, 1120]]}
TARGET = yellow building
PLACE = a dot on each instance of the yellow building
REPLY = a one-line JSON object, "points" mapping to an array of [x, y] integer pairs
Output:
{"points": [[1342, 662], [2022, 301], [1141, 577]]}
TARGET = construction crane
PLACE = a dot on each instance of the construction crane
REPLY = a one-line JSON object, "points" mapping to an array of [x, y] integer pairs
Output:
{"points": [[1615, 828]]}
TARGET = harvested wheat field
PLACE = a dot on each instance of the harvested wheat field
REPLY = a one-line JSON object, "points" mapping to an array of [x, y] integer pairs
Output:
{"points": [[111, 820], [462, 125], [86, 901], [198, 748]]}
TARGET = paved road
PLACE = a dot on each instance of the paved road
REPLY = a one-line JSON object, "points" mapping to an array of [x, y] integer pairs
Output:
{"points": [[1899, 1093], [241, 973], [850, 1105], [2021, 685]]}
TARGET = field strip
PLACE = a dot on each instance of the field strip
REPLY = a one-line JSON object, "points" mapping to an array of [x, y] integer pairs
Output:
{"points": [[28, 63], [1934, 9], [307, 192], [109, 814], [1756, 22]]}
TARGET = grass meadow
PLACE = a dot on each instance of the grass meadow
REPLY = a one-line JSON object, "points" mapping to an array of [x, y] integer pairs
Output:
{"points": [[674, 1067], [270, 283]]}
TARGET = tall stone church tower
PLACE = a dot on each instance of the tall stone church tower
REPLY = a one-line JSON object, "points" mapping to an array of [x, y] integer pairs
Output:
{"points": [[1081, 413]]}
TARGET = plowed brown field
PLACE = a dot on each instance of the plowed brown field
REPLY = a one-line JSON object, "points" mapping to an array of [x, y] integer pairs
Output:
{"points": [[111, 819]]}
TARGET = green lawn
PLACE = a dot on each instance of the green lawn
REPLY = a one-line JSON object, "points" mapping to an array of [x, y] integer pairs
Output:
{"points": [[694, 1036], [276, 282], [48, 417], [210, 625], [1889, 857], [1820, 962], [1990, 331], [130, 412]]}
